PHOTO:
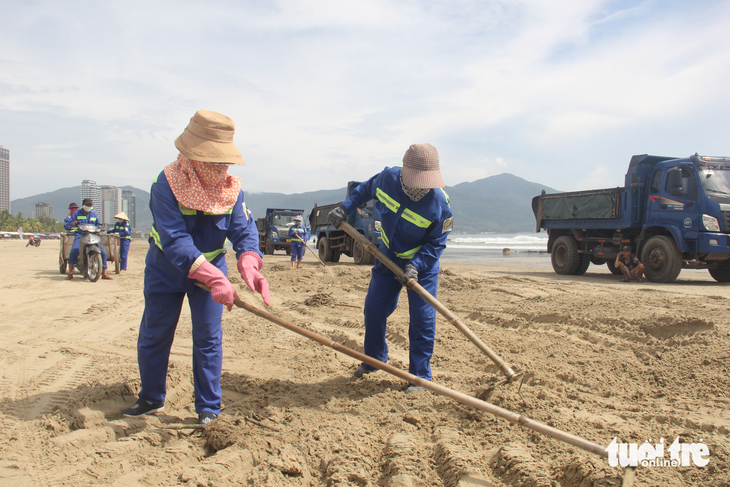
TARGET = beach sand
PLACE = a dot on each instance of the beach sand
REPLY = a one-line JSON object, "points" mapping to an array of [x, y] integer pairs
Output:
{"points": [[602, 360]]}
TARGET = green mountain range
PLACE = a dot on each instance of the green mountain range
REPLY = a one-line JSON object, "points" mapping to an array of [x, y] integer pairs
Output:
{"points": [[499, 203]]}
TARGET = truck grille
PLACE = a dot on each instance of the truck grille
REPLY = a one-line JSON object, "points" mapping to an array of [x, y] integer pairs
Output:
{"points": [[726, 222]]}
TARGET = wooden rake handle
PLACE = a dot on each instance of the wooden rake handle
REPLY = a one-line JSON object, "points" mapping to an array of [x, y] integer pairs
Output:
{"points": [[453, 319]]}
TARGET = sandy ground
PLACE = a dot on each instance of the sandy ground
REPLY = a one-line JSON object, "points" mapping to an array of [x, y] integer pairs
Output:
{"points": [[602, 360]]}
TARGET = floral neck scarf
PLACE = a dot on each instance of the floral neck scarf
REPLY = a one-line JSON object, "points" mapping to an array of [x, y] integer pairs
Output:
{"points": [[202, 185]]}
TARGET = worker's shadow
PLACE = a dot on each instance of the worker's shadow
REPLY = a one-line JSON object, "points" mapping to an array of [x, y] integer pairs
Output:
{"points": [[253, 394]]}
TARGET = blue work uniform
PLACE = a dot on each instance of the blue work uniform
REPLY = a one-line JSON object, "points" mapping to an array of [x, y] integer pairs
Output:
{"points": [[411, 231], [297, 246], [83, 219], [125, 236], [68, 224], [179, 236]]}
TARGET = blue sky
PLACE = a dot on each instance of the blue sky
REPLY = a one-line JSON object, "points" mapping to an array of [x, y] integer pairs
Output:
{"points": [[559, 92]]}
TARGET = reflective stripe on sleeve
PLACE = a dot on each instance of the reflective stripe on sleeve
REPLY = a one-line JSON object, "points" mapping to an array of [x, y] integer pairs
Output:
{"points": [[156, 237], [209, 256], [392, 204]]}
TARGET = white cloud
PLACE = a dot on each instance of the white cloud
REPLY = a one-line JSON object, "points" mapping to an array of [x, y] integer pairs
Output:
{"points": [[326, 91]]}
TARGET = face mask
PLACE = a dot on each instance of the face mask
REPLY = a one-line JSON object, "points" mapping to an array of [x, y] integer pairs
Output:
{"points": [[87, 208]]}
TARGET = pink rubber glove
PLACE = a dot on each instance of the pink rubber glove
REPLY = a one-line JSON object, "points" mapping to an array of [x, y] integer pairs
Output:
{"points": [[248, 265], [220, 287]]}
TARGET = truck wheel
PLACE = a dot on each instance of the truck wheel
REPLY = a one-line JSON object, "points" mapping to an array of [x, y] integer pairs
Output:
{"points": [[325, 254], [585, 261], [268, 247], [662, 259], [336, 256], [565, 257], [359, 254], [614, 270], [722, 273]]}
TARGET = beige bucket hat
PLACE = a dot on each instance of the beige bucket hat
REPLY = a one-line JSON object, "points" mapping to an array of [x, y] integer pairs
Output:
{"points": [[121, 216], [421, 167], [209, 138]]}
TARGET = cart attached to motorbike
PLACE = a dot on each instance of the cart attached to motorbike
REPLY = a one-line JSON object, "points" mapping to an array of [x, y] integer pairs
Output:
{"points": [[111, 246]]}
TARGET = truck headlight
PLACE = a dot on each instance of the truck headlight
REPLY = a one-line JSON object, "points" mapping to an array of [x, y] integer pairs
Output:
{"points": [[711, 224], [274, 235], [377, 225]]}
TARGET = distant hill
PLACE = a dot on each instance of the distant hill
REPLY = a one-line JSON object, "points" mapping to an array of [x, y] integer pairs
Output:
{"points": [[500, 203], [495, 204]]}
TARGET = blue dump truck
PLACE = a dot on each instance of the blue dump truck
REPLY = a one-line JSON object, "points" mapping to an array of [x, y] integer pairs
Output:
{"points": [[673, 212], [274, 229], [331, 243]]}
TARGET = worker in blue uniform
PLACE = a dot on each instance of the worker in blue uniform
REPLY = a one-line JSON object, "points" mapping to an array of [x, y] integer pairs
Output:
{"points": [[84, 216], [121, 228], [68, 221], [196, 205], [298, 234], [415, 223]]}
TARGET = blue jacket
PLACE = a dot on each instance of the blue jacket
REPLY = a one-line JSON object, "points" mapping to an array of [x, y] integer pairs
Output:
{"points": [[414, 231], [67, 224], [83, 218], [180, 235], [122, 229], [300, 231]]}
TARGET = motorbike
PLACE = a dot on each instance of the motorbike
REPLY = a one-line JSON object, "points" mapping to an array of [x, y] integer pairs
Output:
{"points": [[89, 263], [35, 241]]}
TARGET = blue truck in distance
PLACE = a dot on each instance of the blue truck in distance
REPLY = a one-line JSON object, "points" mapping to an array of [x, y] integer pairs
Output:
{"points": [[331, 242], [673, 212], [274, 229]]}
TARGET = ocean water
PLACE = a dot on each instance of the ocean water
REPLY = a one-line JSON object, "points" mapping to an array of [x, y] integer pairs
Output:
{"points": [[526, 248]]}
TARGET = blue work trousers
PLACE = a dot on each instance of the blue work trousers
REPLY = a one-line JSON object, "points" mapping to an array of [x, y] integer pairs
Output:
{"points": [[163, 303], [123, 251], [73, 256], [297, 250], [382, 300]]}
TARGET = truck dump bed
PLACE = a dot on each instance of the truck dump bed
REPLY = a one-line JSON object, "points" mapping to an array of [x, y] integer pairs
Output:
{"points": [[319, 214], [583, 209]]}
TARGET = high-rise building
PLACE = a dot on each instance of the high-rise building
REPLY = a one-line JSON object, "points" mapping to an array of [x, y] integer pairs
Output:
{"points": [[129, 206], [89, 189], [43, 209], [111, 204], [4, 179]]}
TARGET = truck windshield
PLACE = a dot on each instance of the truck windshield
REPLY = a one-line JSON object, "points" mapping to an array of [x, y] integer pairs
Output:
{"points": [[716, 182], [282, 220]]}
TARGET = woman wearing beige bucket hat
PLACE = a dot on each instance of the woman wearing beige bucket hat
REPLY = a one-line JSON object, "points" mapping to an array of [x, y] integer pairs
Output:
{"points": [[121, 228], [196, 205], [415, 222]]}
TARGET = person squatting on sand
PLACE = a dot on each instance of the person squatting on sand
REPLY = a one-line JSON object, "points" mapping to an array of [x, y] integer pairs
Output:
{"points": [[83, 216], [121, 228], [195, 206], [298, 235], [629, 265], [415, 221]]}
